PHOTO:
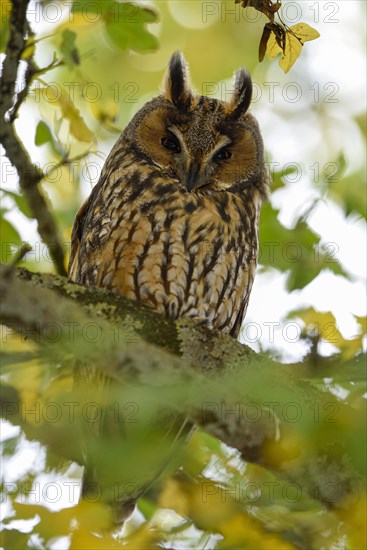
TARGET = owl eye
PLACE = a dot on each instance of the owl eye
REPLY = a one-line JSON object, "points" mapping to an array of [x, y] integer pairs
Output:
{"points": [[171, 144], [223, 154]]}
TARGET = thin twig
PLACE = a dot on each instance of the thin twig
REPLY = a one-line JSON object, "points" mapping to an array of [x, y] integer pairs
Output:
{"points": [[31, 70], [66, 161], [18, 256], [29, 174]]}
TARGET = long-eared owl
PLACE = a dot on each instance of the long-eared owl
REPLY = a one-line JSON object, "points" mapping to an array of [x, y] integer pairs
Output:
{"points": [[173, 220]]}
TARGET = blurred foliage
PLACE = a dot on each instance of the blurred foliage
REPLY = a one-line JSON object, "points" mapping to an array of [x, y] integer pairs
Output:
{"points": [[95, 78], [124, 23], [303, 495]]}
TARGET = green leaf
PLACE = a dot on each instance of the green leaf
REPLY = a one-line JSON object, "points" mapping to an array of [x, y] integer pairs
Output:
{"points": [[20, 202], [126, 26], [334, 171], [88, 7], [125, 22], [350, 193], [43, 134], [297, 251], [10, 239], [279, 177], [147, 508], [69, 49]]}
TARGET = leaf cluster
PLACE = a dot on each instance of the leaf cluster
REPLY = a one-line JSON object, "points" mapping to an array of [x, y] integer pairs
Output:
{"points": [[277, 38]]}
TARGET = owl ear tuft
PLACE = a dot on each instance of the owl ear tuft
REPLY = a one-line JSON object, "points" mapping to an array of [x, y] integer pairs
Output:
{"points": [[242, 94], [177, 84]]}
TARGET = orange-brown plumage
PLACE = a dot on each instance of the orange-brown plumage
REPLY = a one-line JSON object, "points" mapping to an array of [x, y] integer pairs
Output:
{"points": [[173, 220]]}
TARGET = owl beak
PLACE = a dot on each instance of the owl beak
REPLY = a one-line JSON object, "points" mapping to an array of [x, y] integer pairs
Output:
{"points": [[192, 181]]}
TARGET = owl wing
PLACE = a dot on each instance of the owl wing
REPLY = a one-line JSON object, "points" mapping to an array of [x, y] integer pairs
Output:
{"points": [[246, 291], [87, 235], [239, 319], [76, 237]]}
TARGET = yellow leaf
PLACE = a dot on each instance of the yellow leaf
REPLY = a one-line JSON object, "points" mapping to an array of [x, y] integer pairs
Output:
{"points": [[273, 49], [144, 537], [106, 113], [324, 323], [287, 449], [353, 514], [16, 342], [362, 321], [6, 7], [78, 128], [291, 52], [94, 516], [80, 540], [211, 506], [305, 32], [172, 497], [350, 348], [207, 504], [240, 530], [27, 379]]}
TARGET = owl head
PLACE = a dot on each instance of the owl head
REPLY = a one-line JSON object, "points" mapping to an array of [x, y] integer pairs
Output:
{"points": [[205, 145]]}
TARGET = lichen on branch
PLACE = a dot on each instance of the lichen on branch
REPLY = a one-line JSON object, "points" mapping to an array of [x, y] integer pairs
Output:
{"points": [[218, 379]]}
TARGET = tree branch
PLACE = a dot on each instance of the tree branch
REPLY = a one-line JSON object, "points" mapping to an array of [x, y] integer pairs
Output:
{"points": [[29, 174], [220, 374]]}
